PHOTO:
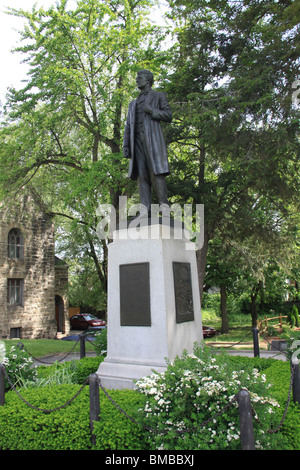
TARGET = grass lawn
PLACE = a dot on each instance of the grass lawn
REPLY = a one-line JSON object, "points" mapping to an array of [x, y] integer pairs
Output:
{"points": [[240, 331], [43, 347]]}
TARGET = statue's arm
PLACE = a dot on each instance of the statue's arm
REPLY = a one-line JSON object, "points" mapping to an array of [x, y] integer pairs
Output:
{"points": [[163, 113]]}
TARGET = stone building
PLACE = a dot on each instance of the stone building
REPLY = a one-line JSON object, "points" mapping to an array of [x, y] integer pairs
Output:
{"points": [[33, 281]]}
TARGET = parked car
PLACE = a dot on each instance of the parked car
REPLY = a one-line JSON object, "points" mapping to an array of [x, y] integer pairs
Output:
{"points": [[208, 331], [83, 321]]}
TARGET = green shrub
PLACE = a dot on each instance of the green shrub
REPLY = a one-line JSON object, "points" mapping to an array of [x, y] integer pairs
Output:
{"points": [[279, 374], [194, 388], [193, 391], [24, 428], [291, 427], [86, 367], [296, 315], [100, 343], [259, 363], [293, 317], [115, 431]]}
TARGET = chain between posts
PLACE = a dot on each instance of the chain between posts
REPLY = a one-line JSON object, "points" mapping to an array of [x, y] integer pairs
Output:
{"points": [[273, 431], [230, 345], [2, 367], [45, 362], [180, 431]]}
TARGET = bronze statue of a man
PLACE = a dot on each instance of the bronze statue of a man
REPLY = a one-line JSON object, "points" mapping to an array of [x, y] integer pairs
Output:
{"points": [[144, 142]]}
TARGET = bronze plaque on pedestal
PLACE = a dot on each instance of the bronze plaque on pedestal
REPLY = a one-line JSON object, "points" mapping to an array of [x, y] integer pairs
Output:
{"points": [[135, 294], [183, 292]]}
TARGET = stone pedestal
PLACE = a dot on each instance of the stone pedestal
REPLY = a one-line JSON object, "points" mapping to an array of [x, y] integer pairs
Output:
{"points": [[154, 308]]}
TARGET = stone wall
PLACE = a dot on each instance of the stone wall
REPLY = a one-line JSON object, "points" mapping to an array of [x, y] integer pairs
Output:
{"points": [[35, 317]]}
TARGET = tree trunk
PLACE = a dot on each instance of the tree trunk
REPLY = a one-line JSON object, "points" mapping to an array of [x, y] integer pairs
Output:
{"points": [[224, 315], [100, 271]]}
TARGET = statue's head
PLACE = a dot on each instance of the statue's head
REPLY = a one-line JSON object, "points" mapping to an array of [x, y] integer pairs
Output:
{"points": [[145, 75]]}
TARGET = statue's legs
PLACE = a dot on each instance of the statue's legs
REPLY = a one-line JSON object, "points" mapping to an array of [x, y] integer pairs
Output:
{"points": [[148, 180]]}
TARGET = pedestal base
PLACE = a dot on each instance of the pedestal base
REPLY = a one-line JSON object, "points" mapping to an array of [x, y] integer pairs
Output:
{"points": [[118, 375], [154, 309]]}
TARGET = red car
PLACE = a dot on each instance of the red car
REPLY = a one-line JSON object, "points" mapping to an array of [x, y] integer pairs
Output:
{"points": [[208, 331], [83, 321]]}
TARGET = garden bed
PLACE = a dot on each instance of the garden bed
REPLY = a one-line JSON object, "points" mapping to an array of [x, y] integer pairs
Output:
{"points": [[207, 384]]}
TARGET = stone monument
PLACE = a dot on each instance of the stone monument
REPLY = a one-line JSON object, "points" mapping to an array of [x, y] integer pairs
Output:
{"points": [[154, 310]]}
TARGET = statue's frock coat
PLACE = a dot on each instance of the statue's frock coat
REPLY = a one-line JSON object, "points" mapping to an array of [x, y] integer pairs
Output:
{"points": [[154, 139]]}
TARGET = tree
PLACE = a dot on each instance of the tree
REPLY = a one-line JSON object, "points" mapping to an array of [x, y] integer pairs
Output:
{"points": [[234, 139], [61, 135]]}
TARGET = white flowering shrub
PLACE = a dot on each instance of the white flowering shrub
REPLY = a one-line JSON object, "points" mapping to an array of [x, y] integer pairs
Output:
{"points": [[188, 404], [18, 366]]}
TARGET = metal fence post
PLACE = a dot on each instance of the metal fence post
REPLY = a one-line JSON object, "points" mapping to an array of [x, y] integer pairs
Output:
{"points": [[2, 385], [255, 342], [246, 423], [94, 404], [82, 346], [296, 381]]}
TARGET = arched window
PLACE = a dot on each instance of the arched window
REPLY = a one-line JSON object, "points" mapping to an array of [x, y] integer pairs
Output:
{"points": [[15, 244]]}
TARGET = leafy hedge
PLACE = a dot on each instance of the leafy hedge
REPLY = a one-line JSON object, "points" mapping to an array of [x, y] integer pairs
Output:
{"points": [[115, 431], [278, 373], [24, 428]]}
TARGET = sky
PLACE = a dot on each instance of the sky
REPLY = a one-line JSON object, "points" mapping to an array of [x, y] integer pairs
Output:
{"points": [[13, 71]]}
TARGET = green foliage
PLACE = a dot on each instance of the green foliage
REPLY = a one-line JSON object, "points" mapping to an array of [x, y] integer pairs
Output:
{"points": [[101, 343], [61, 134], [86, 367], [259, 363], [291, 427], [193, 390], [234, 119], [211, 302], [279, 374], [73, 371], [228, 73], [293, 317], [68, 428], [56, 374], [115, 431], [65, 429]]}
